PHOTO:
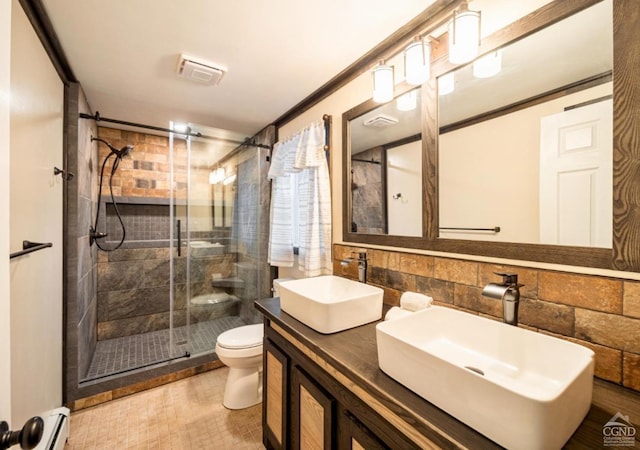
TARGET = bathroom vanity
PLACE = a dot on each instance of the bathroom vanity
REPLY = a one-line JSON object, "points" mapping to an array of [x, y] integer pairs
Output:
{"points": [[327, 391]]}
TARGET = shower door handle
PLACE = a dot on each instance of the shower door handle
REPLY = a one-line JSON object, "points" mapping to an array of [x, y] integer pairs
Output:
{"points": [[178, 227]]}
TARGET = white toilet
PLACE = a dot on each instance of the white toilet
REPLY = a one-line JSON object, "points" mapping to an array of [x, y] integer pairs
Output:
{"points": [[241, 349]]}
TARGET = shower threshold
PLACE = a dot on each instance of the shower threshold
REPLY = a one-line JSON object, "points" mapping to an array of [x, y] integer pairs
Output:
{"points": [[124, 354]]}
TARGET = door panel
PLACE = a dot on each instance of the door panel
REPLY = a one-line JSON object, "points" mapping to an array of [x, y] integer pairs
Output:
{"points": [[576, 177], [312, 414]]}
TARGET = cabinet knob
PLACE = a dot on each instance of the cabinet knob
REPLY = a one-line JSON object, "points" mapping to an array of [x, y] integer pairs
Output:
{"points": [[28, 437]]}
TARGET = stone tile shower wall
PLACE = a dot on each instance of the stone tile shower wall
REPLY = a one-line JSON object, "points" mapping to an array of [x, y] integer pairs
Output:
{"points": [[81, 261], [134, 290], [367, 192], [598, 312], [144, 173]]}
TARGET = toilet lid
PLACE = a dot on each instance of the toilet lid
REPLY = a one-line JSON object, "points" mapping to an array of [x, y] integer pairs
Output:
{"points": [[242, 337]]}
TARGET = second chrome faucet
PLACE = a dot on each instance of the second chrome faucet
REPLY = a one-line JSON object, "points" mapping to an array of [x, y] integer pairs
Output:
{"points": [[362, 265], [509, 292]]}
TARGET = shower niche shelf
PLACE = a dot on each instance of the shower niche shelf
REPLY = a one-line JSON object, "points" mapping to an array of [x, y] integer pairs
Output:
{"points": [[232, 282]]}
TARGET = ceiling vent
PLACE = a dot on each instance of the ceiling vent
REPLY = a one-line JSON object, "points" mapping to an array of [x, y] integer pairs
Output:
{"points": [[380, 121], [200, 71]]}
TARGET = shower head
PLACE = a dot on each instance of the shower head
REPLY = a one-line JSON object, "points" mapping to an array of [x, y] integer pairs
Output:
{"points": [[124, 151]]}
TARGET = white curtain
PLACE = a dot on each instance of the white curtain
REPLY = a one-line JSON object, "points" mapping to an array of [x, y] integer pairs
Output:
{"points": [[300, 180]]}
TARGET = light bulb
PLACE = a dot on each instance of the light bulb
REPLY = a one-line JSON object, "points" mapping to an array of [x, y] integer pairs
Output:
{"points": [[446, 84], [407, 102], [488, 65], [417, 62], [464, 35], [383, 83]]}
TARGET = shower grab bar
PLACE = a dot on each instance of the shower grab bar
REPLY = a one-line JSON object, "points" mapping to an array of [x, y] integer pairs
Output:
{"points": [[30, 247], [179, 226]]}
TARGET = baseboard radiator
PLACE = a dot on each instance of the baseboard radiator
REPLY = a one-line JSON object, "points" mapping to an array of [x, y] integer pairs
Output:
{"points": [[56, 430]]}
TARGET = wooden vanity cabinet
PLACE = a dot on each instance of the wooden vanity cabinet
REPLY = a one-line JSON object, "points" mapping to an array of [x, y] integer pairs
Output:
{"points": [[304, 407], [275, 395]]}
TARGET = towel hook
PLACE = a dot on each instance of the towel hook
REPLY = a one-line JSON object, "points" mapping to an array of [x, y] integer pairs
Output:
{"points": [[67, 176]]}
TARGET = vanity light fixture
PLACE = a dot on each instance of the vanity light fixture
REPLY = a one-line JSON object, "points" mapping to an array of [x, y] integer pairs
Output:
{"points": [[216, 176], [408, 101], [464, 34], [383, 83], [446, 84], [488, 65], [417, 61], [230, 179]]}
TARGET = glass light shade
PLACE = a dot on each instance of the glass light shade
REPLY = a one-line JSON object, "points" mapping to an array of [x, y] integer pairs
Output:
{"points": [[446, 84], [230, 179], [464, 36], [216, 176], [417, 62], [383, 83], [488, 66], [407, 102], [180, 127]]}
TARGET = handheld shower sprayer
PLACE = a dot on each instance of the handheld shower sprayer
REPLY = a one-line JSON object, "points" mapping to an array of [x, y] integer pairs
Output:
{"points": [[94, 235], [124, 151]]}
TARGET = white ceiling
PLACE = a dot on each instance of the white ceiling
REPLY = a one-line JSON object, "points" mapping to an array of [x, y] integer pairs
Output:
{"points": [[125, 53]]}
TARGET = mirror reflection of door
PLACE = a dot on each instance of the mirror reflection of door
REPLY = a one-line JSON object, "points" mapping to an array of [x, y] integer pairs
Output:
{"points": [[576, 194], [404, 189]]}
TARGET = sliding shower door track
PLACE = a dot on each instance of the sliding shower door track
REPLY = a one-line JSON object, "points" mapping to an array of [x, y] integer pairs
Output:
{"points": [[131, 369]]}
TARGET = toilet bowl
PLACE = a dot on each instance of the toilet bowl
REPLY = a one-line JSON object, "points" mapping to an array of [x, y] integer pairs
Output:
{"points": [[241, 350]]}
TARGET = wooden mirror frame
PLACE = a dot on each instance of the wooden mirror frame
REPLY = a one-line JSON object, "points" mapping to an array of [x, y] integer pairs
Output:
{"points": [[625, 254]]}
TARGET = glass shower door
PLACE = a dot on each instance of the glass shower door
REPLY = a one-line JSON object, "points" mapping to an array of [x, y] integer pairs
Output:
{"points": [[179, 275], [217, 244]]}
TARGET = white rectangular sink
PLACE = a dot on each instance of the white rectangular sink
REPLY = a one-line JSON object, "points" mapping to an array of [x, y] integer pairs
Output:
{"points": [[329, 304], [519, 388]]}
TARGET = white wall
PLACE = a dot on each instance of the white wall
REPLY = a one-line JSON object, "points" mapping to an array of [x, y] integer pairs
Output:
{"points": [[35, 213], [5, 310]]}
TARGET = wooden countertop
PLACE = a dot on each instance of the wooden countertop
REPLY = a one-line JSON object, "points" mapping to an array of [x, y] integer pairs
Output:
{"points": [[354, 354]]}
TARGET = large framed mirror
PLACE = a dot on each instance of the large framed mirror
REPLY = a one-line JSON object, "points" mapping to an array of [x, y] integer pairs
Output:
{"points": [[462, 217], [525, 143]]}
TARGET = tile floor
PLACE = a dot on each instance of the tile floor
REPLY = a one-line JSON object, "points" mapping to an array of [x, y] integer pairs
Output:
{"points": [[184, 415], [114, 355]]}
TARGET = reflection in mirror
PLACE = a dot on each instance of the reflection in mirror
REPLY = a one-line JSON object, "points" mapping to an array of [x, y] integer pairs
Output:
{"points": [[529, 149], [385, 156]]}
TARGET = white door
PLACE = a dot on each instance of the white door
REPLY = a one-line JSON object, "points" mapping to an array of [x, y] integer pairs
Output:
{"points": [[35, 214], [5, 310], [404, 189], [576, 181]]}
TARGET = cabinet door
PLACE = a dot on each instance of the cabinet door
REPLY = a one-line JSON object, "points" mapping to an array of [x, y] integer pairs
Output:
{"points": [[355, 436], [312, 414], [274, 397]]}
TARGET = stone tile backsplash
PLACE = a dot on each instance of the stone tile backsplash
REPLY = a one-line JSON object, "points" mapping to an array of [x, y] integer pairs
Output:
{"points": [[599, 312]]}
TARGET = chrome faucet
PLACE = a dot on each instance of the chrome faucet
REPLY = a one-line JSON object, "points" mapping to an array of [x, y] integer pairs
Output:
{"points": [[362, 265], [509, 292]]}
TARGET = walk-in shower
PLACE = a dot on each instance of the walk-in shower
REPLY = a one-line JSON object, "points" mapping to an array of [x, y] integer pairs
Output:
{"points": [[195, 206]]}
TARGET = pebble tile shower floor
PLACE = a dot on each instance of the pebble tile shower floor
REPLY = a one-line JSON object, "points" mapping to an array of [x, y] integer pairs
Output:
{"points": [[183, 415], [115, 355]]}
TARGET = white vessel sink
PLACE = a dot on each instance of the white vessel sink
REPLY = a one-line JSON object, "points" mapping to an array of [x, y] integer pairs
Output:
{"points": [[329, 304], [201, 249], [519, 388]]}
